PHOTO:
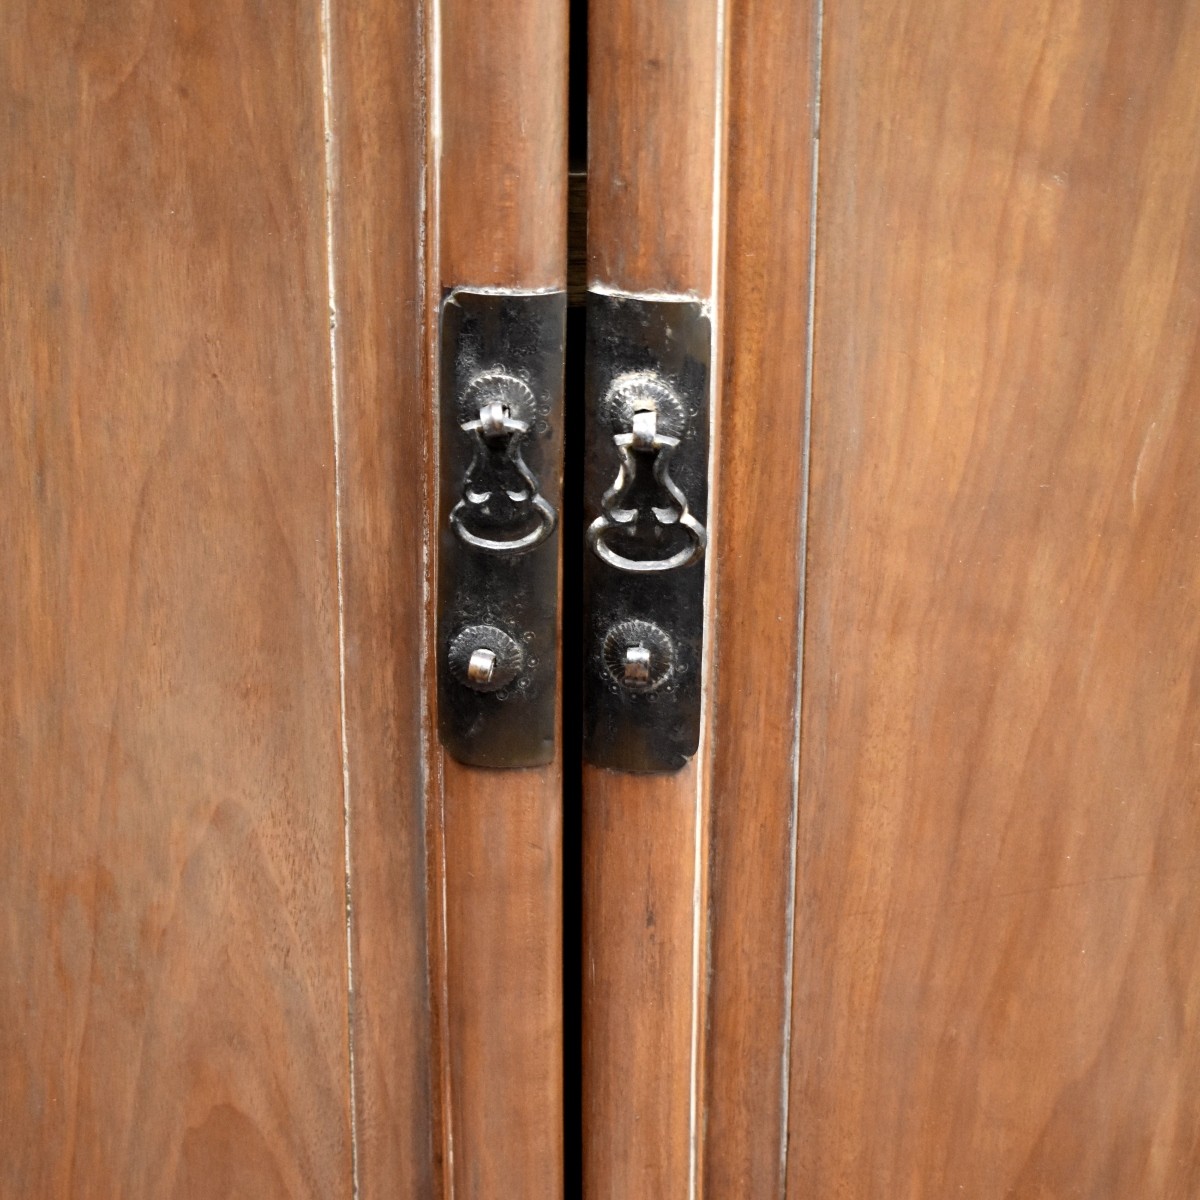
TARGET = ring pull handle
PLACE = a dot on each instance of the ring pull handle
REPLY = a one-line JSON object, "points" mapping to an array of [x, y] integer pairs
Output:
{"points": [[642, 406], [500, 492]]}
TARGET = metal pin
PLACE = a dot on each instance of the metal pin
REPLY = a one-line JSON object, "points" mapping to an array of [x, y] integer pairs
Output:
{"points": [[645, 428], [637, 666], [493, 418], [481, 666]]}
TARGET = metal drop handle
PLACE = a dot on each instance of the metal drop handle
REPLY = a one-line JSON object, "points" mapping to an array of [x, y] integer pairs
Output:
{"points": [[644, 438], [499, 433]]}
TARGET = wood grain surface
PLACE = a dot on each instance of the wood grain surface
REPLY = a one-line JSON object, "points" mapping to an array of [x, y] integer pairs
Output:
{"points": [[172, 878], [377, 152], [502, 167], [759, 594], [653, 70], [501, 174], [997, 981]]}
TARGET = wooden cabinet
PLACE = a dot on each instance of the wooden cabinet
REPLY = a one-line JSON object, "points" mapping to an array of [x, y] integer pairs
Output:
{"points": [[918, 919]]}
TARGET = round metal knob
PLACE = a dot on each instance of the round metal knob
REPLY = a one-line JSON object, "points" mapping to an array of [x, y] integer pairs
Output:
{"points": [[640, 392], [485, 658], [638, 655], [500, 392]]}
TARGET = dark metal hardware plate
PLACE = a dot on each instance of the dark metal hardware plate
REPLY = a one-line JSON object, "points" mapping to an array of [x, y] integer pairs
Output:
{"points": [[500, 399], [646, 508]]}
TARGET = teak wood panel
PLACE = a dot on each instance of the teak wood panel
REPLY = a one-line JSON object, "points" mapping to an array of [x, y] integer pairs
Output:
{"points": [[654, 71], [498, 161], [377, 158], [997, 982], [172, 914]]}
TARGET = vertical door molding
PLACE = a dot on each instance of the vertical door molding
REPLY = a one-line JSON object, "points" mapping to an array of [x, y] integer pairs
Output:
{"points": [[655, 151], [497, 167], [770, 228], [377, 204], [701, 182]]}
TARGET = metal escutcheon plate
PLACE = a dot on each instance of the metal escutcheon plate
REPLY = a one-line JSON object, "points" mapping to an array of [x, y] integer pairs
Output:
{"points": [[646, 509], [500, 400]]}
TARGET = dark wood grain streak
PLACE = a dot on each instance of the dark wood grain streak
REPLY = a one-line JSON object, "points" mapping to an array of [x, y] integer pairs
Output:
{"points": [[652, 74], [378, 144], [759, 565], [502, 178], [998, 934], [172, 917]]}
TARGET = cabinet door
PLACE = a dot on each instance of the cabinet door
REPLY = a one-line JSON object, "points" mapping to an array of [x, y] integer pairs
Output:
{"points": [[919, 917], [260, 936]]}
